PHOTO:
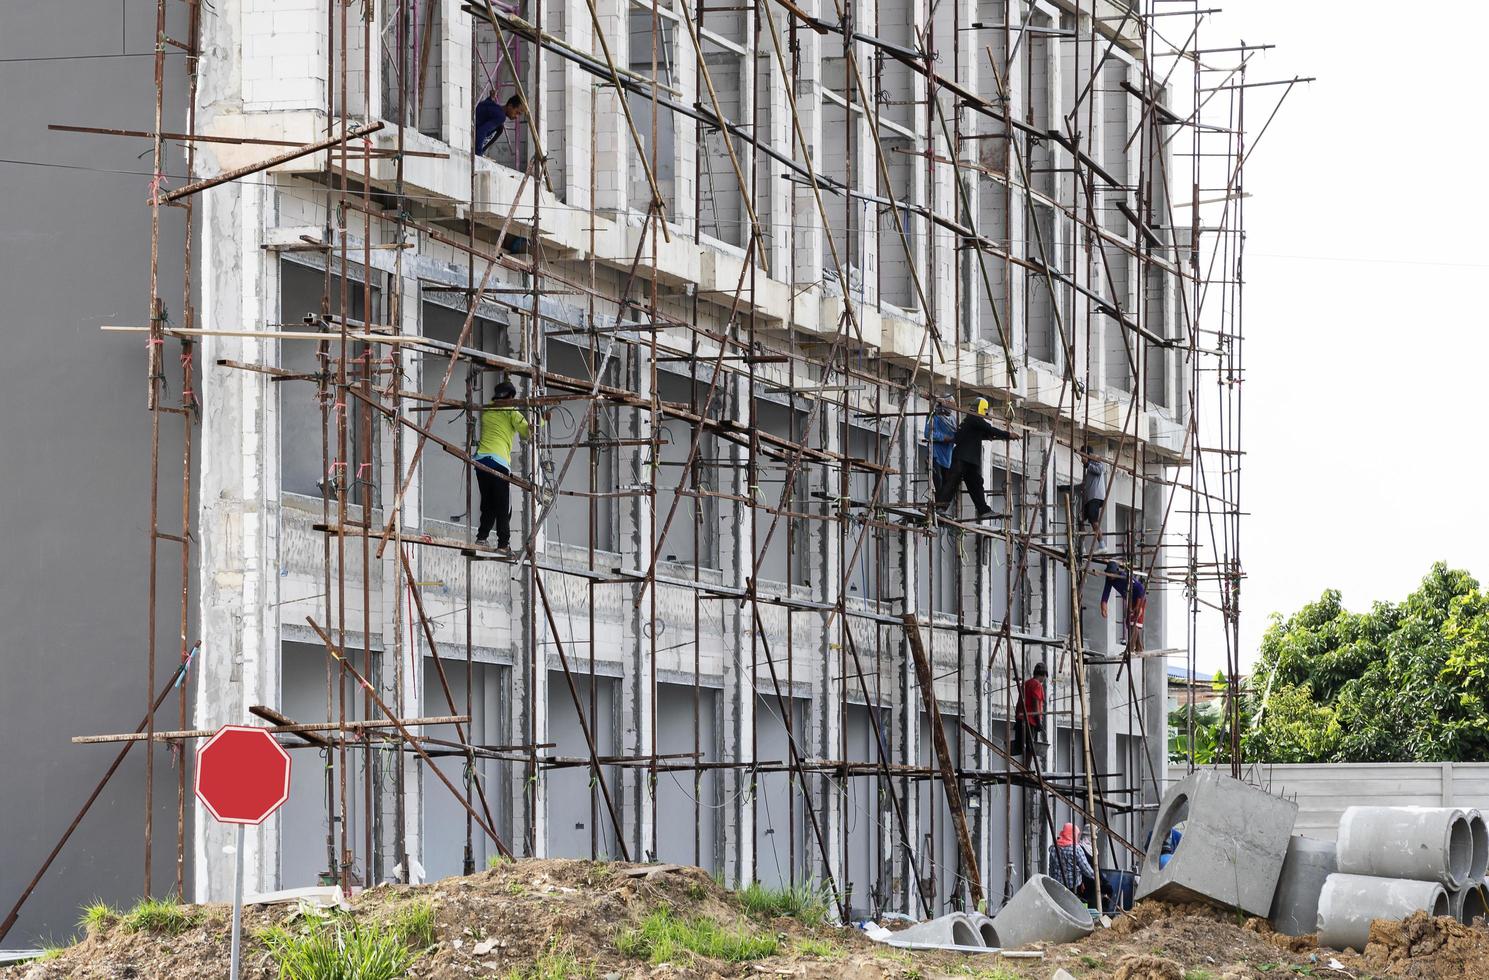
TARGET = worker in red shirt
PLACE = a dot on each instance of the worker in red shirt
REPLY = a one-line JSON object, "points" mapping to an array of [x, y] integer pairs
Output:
{"points": [[1028, 715]]}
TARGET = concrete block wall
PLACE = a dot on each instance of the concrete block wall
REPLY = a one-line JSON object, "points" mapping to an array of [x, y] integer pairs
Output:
{"points": [[264, 575]]}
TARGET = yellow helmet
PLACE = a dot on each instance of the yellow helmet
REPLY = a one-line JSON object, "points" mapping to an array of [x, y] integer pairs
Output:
{"points": [[982, 406]]}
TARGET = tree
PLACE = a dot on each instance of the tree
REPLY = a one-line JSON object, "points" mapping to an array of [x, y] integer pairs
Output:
{"points": [[1405, 682]]}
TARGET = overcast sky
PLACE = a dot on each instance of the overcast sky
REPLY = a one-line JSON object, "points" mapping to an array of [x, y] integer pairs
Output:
{"points": [[1367, 258]]}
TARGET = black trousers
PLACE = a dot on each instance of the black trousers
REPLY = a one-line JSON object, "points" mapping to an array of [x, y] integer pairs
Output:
{"points": [[963, 472], [496, 503], [939, 476]]}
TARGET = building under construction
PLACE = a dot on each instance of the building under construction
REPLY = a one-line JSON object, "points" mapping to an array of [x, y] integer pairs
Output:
{"points": [[729, 258]]}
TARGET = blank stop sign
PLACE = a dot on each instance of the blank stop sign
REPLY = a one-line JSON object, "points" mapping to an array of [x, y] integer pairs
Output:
{"points": [[242, 774]]}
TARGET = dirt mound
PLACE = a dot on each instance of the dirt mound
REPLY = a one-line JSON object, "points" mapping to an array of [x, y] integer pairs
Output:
{"points": [[1421, 946], [556, 919], [524, 919], [1148, 968]]}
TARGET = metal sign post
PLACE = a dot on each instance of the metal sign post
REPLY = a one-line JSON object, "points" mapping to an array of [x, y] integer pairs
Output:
{"points": [[242, 776], [237, 902]]}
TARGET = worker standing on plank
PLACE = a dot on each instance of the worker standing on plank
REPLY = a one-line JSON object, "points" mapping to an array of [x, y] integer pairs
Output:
{"points": [[1129, 585], [492, 116], [966, 464], [1093, 493], [1028, 714], [940, 432], [494, 452]]}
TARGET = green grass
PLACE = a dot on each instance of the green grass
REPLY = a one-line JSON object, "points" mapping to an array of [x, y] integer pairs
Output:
{"points": [[822, 948], [663, 938], [1198, 975], [414, 924], [977, 973], [496, 861], [159, 915], [798, 901], [342, 952], [555, 964], [49, 952], [97, 917]]}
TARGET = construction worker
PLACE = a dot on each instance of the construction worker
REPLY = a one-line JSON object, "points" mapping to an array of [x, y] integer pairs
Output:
{"points": [[1070, 865], [1093, 493], [494, 452], [940, 432], [492, 116], [1028, 714], [966, 463], [1129, 585]]}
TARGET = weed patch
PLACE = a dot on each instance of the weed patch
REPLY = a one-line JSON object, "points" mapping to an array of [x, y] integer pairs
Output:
{"points": [[663, 938]]}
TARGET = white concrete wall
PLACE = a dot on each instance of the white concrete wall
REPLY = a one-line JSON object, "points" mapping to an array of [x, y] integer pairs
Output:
{"points": [[1324, 790]]}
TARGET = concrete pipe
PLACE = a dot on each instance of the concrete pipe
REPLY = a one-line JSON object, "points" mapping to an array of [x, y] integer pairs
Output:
{"points": [[954, 929], [1479, 829], [1349, 903], [1469, 902], [985, 929], [1042, 911], [1417, 842], [1307, 866]]}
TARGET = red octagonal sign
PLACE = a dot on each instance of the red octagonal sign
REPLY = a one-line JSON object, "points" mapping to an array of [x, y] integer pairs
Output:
{"points": [[242, 774]]}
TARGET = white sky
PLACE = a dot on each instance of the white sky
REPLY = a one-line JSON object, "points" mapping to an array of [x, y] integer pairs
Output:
{"points": [[1367, 256]]}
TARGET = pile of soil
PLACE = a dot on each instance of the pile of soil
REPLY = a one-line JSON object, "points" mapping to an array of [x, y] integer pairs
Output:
{"points": [[1421, 946], [518, 919]]}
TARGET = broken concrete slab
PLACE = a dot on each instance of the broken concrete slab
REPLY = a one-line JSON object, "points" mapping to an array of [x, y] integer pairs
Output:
{"points": [[1422, 843], [1234, 839], [1349, 903], [1042, 911], [1306, 867]]}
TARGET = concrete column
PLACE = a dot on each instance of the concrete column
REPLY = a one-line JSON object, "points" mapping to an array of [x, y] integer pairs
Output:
{"points": [[736, 703], [613, 146], [239, 661], [827, 681], [638, 735], [905, 716]]}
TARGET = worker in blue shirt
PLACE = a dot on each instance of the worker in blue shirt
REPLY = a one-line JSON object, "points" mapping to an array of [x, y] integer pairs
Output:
{"points": [[1129, 585], [492, 116], [940, 432]]}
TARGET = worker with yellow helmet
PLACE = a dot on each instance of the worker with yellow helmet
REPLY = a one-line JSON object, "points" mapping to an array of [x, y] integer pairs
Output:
{"points": [[966, 463]]}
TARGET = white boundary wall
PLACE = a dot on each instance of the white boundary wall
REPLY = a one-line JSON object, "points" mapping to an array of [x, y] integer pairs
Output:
{"points": [[1323, 790]]}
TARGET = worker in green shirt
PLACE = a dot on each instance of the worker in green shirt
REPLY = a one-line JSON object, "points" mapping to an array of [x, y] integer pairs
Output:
{"points": [[494, 453]]}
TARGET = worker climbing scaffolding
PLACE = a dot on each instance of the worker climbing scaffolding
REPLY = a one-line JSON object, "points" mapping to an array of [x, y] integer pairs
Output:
{"points": [[966, 461], [499, 426], [1128, 584]]}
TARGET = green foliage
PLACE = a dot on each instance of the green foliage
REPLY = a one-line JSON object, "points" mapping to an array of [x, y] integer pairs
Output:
{"points": [[824, 948], [414, 923], [496, 861], [663, 938], [556, 963], [159, 915], [797, 901], [1403, 682], [345, 951], [97, 917]]}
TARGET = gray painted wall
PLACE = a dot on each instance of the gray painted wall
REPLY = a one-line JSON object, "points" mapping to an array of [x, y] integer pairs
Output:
{"points": [[74, 502]]}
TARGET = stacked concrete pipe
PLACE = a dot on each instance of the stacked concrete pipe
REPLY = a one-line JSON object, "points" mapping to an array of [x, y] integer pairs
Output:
{"points": [[1043, 910], [1394, 861], [1469, 902], [1349, 903], [1479, 830], [1420, 843]]}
